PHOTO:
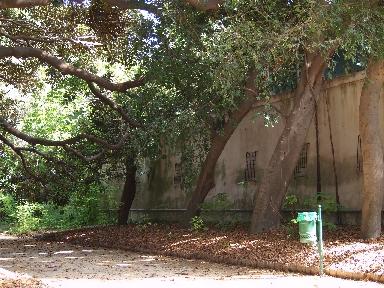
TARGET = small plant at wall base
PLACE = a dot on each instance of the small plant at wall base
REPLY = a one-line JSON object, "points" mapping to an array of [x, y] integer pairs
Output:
{"points": [[197, 224], [221, 217], [218, 202], [293, 205], [142, 221]]}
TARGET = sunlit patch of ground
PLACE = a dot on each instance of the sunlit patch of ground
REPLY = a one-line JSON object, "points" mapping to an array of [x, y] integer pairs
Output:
{"points": [[59, 264], [358, 257]]}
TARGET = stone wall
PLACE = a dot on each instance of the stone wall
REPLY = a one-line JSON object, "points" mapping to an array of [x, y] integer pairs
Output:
{"points": [[339, 103]]}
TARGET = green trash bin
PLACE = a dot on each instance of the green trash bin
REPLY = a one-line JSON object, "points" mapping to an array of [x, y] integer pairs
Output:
{"points": [[307, 227]]}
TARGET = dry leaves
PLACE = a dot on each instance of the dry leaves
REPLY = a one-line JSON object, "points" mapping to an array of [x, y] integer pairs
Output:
{"points": [[21, 283], [343, 248]]}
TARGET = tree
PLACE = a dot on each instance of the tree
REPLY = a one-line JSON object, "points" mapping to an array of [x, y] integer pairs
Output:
{"points": [[322, 28], [277, 174], [96, 142], [279, 171], [284, 47], [372, 150]]}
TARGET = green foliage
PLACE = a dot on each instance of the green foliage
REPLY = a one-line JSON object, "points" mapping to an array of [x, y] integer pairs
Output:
{"points": [[142, 221], [290, 202], [28, 217], [327, 202], [7, 207], [197, 223], [228, 221], [293, 204], [83, 209], [219, 206], [218, 202]]}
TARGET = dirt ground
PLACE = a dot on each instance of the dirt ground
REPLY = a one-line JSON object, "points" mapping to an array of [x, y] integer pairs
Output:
{"points": [[48, 263]]}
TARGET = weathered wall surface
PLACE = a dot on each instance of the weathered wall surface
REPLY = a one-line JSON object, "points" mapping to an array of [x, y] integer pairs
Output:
{"points": [[337, 115]]}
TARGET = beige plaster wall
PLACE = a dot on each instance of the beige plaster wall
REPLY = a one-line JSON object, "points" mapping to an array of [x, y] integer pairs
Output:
{"points": [[340, 100]]}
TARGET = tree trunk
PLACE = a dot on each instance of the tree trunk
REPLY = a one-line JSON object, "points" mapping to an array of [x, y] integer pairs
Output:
{"points": [[277, 174], [129, 191], [206, 179], [372, 151], [338, 214]]}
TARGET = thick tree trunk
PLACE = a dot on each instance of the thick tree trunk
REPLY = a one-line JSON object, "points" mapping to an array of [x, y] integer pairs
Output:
{"points": [[277, 174], [205, 180], [129, 191], [372, 150]]}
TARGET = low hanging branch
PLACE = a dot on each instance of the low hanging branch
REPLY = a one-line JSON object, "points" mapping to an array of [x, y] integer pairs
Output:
{"points": [[82, 156], [122, 4], [37, 140], [66, 68], [65, 144], [22, 39], [23, 3], [17, 152], [113, 105], [204, 5], [61, 143]]}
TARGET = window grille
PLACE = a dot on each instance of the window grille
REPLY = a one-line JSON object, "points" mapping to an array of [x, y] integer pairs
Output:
{"points": [[250, 168], [301, 165], [177, 175], [359, 156]]}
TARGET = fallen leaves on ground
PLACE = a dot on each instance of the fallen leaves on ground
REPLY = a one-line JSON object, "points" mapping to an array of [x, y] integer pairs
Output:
{"points": [[343, 248], [21, 283]]}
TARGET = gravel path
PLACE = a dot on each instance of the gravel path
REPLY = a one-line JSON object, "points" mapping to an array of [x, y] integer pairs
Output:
{"points": [[59, 264]]}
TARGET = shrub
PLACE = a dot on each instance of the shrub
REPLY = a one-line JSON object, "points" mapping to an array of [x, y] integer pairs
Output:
{"points": [[91, 207], [7, 207], [197, 223]]}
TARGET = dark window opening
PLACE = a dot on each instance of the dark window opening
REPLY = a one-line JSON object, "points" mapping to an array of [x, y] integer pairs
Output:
{"points": [[250, 168], [359, 156], [301, 165], [177, 175]]}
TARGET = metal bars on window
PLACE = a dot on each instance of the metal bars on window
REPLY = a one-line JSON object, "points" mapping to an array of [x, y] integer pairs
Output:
{"points": [[177, 175], [359, 156], [301, 165], [250, 168]]}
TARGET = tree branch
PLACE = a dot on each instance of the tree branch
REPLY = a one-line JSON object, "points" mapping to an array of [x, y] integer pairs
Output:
{"points": [[61, 143], [113, 105], [122, 4], [205, 5], [66, 68], [37, 140], [82, 156], [41, 154], [24, 39], [23, 3], [18, 153], [133, 4]]}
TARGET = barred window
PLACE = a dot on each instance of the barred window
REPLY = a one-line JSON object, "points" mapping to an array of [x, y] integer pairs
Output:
{"points": [[359, 156], [177, 175], [301, 165], [250, 168]]}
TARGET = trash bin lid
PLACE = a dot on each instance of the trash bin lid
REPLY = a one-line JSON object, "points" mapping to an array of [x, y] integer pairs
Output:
{"points": [[306, 216]]}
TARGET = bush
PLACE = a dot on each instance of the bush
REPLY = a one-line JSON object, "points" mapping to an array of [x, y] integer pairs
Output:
{"points": [[218, 202], [327, 202], [28, 217], [7, 207], [197, 223], [83, 209]]}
